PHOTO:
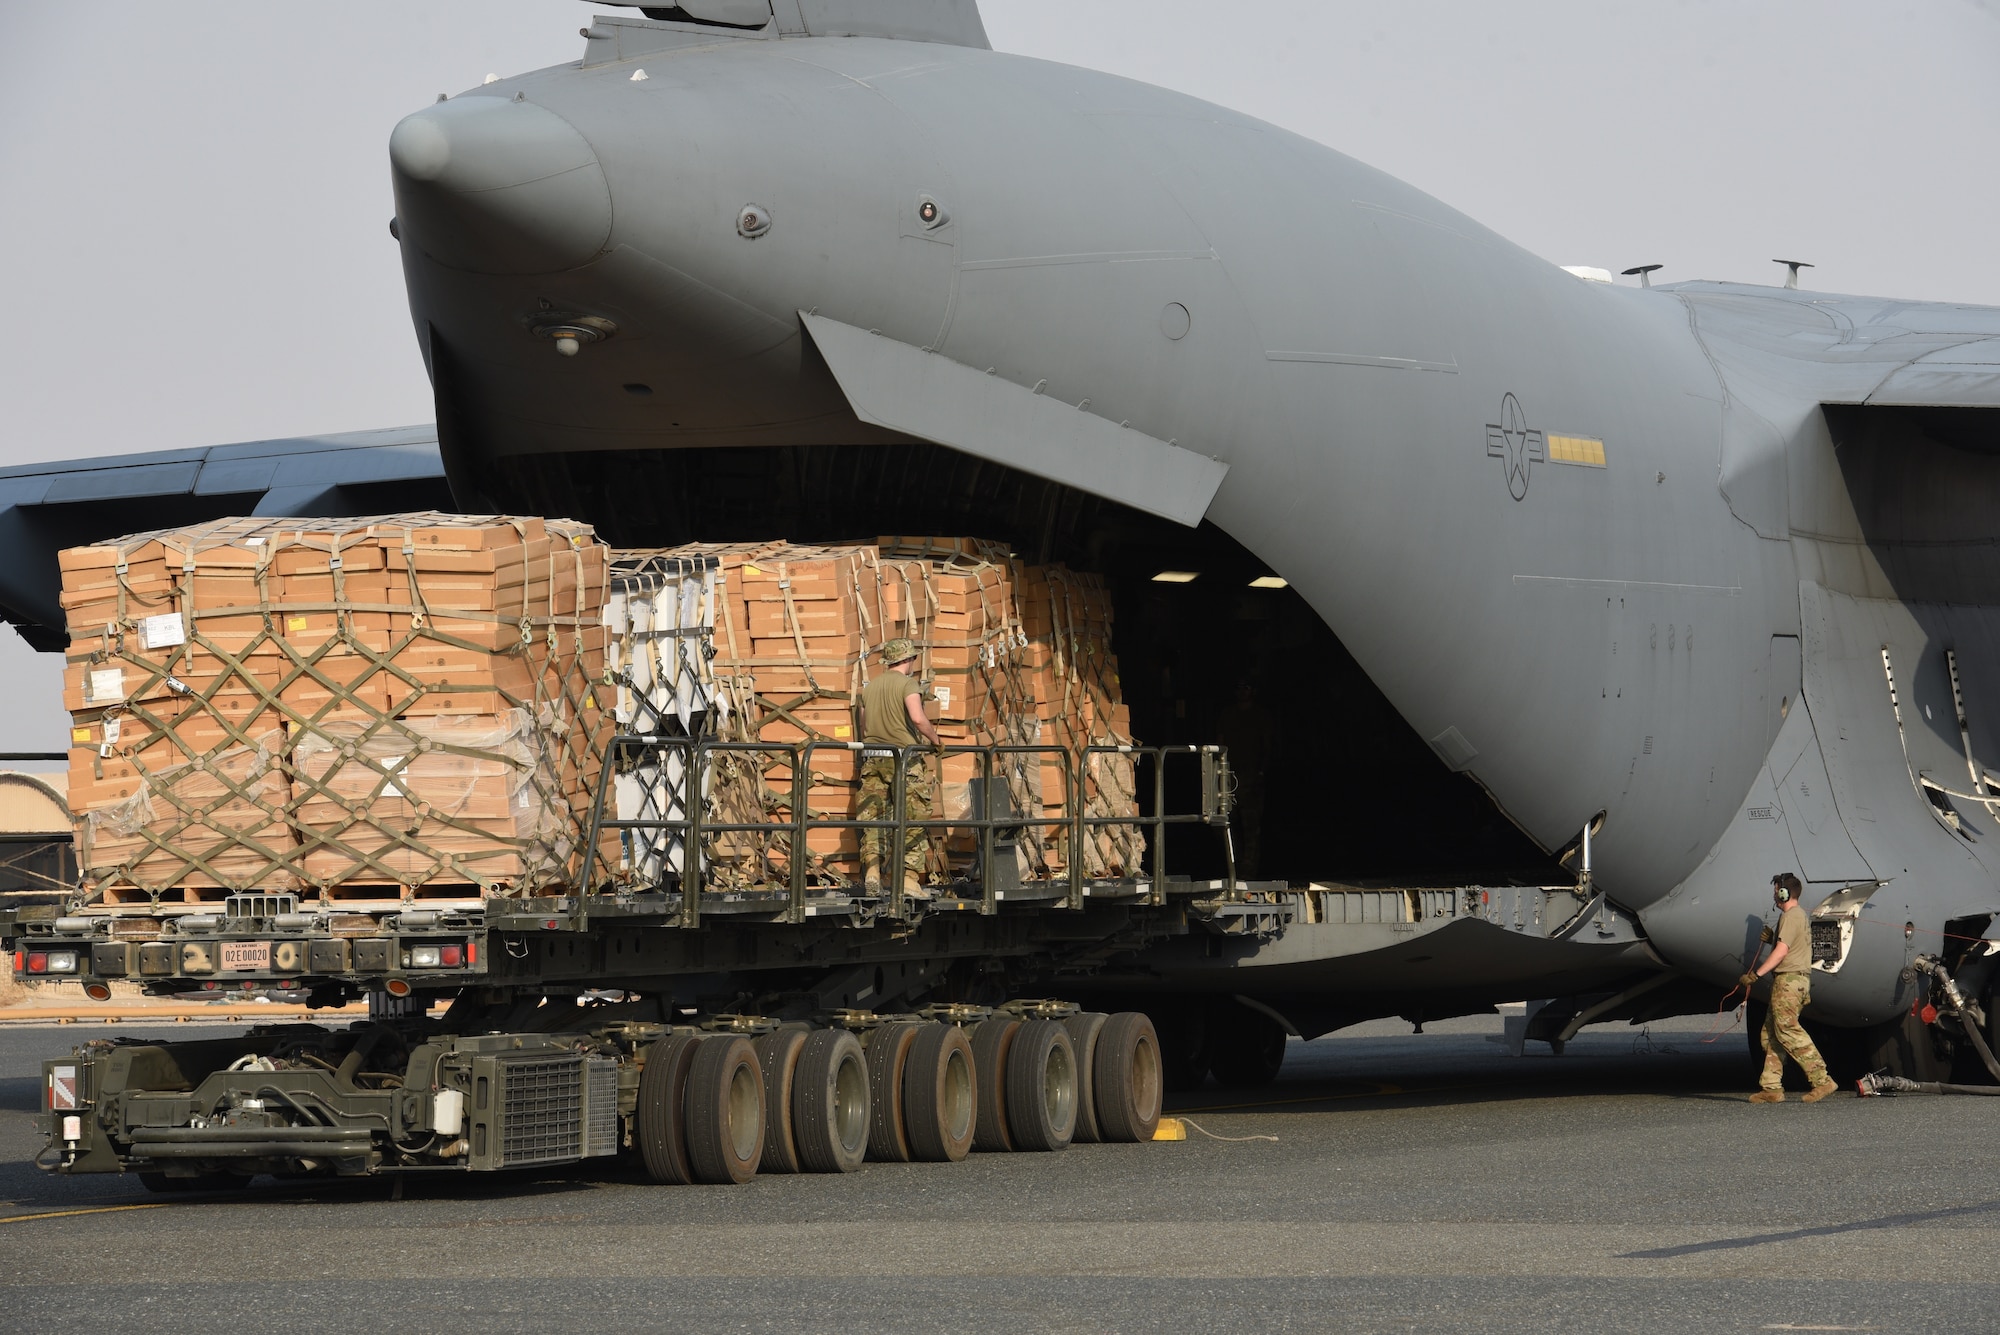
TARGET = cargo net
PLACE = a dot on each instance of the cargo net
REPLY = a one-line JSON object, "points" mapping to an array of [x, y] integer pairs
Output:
{"points": [[773, 643], [390, 708]]}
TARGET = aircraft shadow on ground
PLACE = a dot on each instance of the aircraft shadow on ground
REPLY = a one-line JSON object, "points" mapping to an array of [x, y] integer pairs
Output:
{"points": [[1373, 1073]]}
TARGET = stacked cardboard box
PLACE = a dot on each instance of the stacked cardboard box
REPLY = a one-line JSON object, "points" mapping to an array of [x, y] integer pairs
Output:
{"points": [[366, 709], [1066, 622], [1010, 655], [794, 655]]}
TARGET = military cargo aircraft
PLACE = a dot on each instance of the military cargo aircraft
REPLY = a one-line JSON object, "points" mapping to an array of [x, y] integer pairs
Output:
{"points": [[1696, 582]]}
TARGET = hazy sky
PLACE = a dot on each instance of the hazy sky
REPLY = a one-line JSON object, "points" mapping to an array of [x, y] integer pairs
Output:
{"points": [[194, 197]]}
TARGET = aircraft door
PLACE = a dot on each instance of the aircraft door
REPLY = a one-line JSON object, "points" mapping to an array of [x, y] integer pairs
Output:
{"points": [[1804, 791], [1884, 746]]}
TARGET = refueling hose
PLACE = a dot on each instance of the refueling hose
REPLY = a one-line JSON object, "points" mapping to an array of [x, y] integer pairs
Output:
{"points": [[1880, 1083], [1969, 1016]]}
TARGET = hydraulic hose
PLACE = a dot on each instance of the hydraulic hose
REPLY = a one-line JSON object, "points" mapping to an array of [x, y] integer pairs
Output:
{"points": [[1968, 1016], [350, 1065]]}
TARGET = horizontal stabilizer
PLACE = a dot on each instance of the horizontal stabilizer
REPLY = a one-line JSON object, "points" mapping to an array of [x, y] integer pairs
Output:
{"points": [[923, 394]]}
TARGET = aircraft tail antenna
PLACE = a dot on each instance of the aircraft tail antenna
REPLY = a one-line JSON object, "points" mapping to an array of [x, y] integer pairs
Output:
{"points": [[1792, 268], [1645, 272]]}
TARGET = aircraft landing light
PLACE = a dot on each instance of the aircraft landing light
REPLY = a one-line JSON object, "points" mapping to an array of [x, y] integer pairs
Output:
{"points": [[1177, 577]]}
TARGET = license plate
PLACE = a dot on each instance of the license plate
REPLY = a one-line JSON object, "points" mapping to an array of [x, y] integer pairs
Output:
{"points": [[238, 956]]}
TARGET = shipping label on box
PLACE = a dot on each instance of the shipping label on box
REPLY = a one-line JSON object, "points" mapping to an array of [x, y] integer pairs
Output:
{"points": [[163, 631], [103, 686]]}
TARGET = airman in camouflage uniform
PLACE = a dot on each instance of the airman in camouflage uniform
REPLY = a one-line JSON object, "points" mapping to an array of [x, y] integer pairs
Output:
{"points": [[1790, 967], [892, 717]]}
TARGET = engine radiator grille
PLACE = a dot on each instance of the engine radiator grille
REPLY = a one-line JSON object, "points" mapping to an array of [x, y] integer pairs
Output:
{"points": [[601, 1108], [541, 1103]]}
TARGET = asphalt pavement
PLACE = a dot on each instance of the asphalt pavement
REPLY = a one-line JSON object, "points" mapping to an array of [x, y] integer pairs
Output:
{"points": [[1386, 1182]]}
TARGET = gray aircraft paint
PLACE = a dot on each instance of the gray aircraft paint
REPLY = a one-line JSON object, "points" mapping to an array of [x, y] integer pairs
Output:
{"points": [[1686, 638]]}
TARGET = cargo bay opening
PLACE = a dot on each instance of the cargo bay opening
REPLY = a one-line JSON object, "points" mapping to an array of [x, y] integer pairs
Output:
{"points": [[1348, 790]]}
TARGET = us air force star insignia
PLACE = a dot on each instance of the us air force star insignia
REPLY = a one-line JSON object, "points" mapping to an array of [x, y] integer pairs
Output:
{"points": [[1511, 440]]}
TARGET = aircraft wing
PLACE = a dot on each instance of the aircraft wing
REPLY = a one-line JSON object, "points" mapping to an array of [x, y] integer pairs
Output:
{"points": [[47, 507], [1863, 351]]}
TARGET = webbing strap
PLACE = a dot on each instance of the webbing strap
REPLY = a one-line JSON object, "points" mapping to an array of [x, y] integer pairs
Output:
{"points": [[559, 720]]}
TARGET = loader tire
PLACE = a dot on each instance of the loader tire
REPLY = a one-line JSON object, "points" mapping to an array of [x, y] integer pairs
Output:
{"points": [[725, 1111], [940, 1095], [1041, 1087], [1127, 1078], [1084, 1028], [830, 1103], [660, 1117], [991, 1040], [778, 1060], [888, 1053]]}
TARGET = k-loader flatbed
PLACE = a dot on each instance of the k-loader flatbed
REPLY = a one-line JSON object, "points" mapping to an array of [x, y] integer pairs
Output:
{"points": [[710, 1032]]}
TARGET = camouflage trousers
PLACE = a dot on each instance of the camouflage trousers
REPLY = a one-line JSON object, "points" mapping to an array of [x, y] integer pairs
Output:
{"points": [[878, 778], [1783, 1034]]}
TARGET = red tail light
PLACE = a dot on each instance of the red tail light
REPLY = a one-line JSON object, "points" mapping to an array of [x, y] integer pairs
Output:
{"points": [[451, 957]]}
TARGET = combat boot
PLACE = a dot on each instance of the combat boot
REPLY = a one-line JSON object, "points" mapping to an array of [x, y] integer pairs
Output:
{"points": [[871, 879], [1819, 1092], [914, 887], [1768, 1096]]}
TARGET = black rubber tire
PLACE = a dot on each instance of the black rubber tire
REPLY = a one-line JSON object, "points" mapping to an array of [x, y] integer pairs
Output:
{"points": [[725, 1111], [1127, 1078], [1839, 1048], [888, 1054], [659, 1120], [1084, 1027], [830, 1103], [1754, 1012], [1042, 1087], [991, 1040], [940, 1095], [1905, 1047], [1182, 1032], [1248, 1047], [778, 1061]]}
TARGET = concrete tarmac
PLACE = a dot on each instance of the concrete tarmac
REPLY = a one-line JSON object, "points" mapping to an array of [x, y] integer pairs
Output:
{"points": [[1415, 1183]]}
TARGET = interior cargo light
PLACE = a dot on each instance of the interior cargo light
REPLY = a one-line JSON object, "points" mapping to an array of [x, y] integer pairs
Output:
{"points": [[1270, 582], [1177, 577]]}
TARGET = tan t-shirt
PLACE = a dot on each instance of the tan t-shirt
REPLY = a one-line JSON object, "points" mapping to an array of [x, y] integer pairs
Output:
{"points": [[1796, 934], [888, 717]]}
